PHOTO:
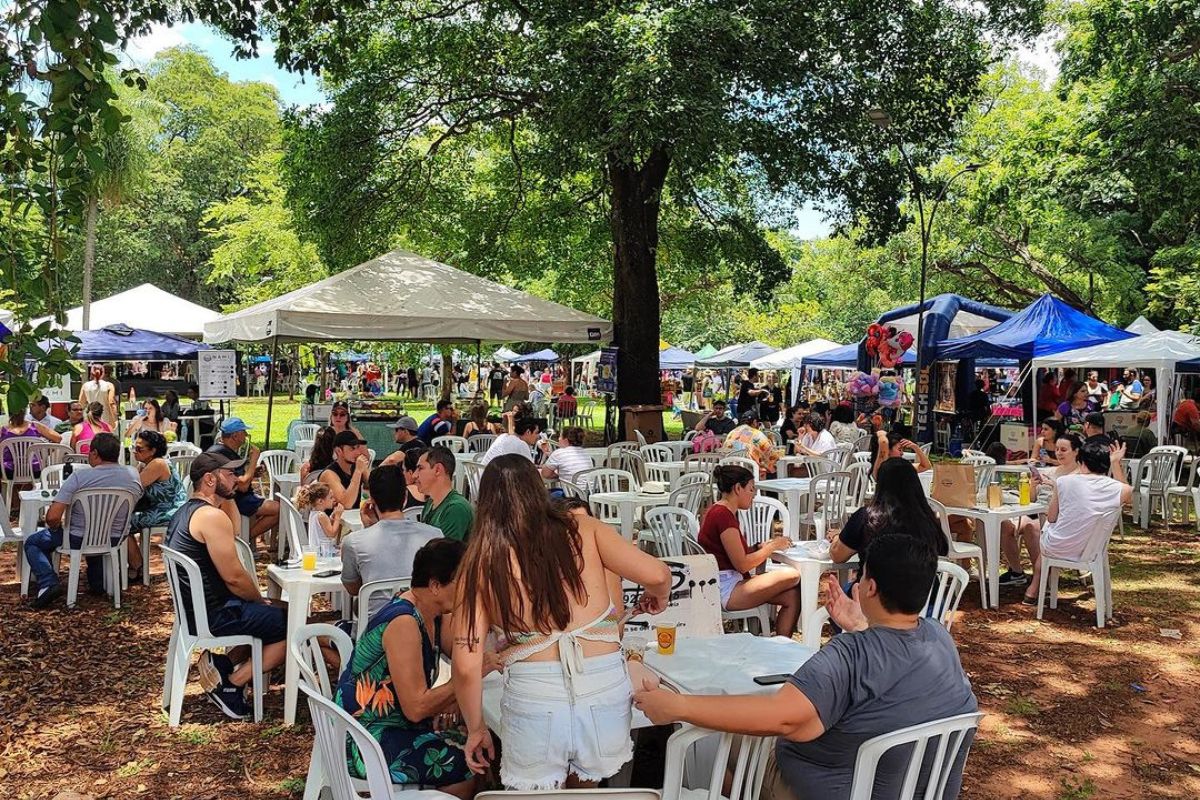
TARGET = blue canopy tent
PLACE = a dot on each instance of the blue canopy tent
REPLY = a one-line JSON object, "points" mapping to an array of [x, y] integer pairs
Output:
{"points": [[675, 358], [846, 357], [122, 343], [540, 355], [1046, 326]]}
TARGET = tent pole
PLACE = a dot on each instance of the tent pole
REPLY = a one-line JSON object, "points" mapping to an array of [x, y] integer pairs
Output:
{"points": [[478, 367], [271, 392]]}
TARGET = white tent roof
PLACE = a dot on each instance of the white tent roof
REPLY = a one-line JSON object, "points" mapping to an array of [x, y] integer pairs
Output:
{"points": [[5, 317], [792, 356], [504, 354], [401, 296], [1141, 326], [1160, 350], [146, 307], [964, 324], [590, 358]]}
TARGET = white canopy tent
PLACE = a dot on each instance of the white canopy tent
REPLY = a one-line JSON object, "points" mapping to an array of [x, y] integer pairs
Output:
{"points": [[964, 323], [1159, 351], [792, 358], [149, 308], [1141, 326], [401, 296]]}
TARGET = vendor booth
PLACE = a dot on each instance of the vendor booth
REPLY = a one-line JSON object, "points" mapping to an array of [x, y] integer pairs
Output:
{"points": [[540, 357], [735, 356], [792, 360], [153, 308], [401, 296], [1141, 326]]}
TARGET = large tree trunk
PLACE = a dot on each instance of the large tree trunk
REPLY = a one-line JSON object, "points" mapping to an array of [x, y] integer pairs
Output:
{"points": [[89, 258], [447, 351], [636, 192]]}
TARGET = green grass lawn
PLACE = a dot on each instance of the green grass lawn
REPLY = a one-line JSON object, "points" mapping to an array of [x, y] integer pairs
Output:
{"points": [[254, 411]]}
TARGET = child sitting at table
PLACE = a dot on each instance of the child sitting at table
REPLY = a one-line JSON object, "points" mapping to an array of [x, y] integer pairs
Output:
{"points": [[324, 515]]}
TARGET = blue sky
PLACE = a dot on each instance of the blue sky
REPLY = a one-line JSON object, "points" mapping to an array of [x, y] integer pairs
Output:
{"points": [[297, 90]]}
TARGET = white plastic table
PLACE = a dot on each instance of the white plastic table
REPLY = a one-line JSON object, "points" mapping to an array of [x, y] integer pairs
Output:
{"points": [[727, 664], [627, 504], [811, 565], [299, 585], [794, 493], [287, 484], [682, 449], [32, 505], [352, 518], [991, 519], [665, 471], [597, 455]]}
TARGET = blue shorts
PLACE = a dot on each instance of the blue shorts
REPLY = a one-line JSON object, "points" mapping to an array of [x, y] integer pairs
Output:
{"points": [[248, 504], [241, 618]]}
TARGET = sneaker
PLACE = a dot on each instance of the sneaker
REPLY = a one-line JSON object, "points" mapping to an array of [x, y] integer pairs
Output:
{"points": [[1011, 578], [47, 597], [214, 670], [231, 700], [1029, 601]]}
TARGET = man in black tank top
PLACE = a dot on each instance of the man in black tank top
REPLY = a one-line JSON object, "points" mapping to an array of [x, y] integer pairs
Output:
{"points": [[347, 476], [204, 530]]}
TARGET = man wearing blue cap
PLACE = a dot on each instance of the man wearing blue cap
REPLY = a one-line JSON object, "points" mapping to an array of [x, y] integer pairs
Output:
{"points": [[263, 514]]}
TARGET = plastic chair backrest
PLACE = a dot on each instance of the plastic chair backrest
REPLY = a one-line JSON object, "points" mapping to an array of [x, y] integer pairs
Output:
{"points": [[985, 469], [827, 496], [368, 591], [840, 453], [48, 454], [1159, 469], [860, 482], [863, 443], [947, 590], [17, 449], [306, 432], [182, 449], [748, 464], [278, 462], [701, 462], [473, 471], [641, 438], [605, 479], [102, 509], [758, 521], [181, 465], [669, 526], [950, 735], [246, 556], [297, 529], [480, 442], [613, 449], [332, 726], [306, 649], [455, 444], [861, 457], [691, 497], [182, 597], [52, 476], [739, 761], [657, 454], [818, 465], [632, 462], [414, 513], [944, 518]]}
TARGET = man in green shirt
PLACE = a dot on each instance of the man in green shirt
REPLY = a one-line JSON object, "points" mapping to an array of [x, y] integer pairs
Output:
{"points": [[445, 508]]}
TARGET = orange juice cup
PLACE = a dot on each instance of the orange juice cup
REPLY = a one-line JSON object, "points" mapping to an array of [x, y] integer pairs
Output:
{"points": [[308, 561], [665, 633]]}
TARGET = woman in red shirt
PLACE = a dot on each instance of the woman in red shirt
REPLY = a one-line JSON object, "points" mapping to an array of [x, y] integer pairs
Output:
{"points": [[721, 535]]}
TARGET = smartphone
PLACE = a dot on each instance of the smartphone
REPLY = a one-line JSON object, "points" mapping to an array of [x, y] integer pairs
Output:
{"points": [[771, 680], [1037, 476], [329, 573]]}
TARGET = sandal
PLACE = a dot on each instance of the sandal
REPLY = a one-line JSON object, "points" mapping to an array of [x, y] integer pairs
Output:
{"points": [[1029, 601]]}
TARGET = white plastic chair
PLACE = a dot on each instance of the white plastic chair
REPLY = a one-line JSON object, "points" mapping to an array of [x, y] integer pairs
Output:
{"points": [[694, 495], [277, 462], [10, 534], [641, 438], [606, 480], [950, 735], [182, 643], [455, 444], [701, 462], [841, 454], [861, 457], [707, 759], [573, 794], [52, 477], [961, 550], [314, 673], [307, 431], [1158, 471], [861, 485], [630, 461], [758, 521], [17, 449], [294, 526], [332, 725], [673, 532], [817, 465], [985, 469], [480, 442], [827, 504], [48, 454], [610, 453], [1094, 559], [863, 443], [181, 465], [182, 449], [368, 591], [303, 449], [101, 509], [472, 471], [745, 463]]}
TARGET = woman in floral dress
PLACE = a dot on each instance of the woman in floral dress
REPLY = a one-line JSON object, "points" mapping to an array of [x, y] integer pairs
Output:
{"points": [[390, 691]]}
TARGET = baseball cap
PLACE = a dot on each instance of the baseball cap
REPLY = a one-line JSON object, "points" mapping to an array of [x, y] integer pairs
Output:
{"points": [[405, 422], [348, 439], [209, 462], [233, 425]]}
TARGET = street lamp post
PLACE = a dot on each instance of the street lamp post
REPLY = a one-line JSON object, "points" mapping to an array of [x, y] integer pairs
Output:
{"points": [[883, 120]]}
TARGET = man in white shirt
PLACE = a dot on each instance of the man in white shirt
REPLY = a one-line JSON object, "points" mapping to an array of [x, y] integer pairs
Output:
{"points": [[569, 459], [816, 441], [1083, 505], [521, 437], [39, 411]]}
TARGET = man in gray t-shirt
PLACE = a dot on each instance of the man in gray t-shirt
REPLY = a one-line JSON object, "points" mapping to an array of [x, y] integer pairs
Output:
{"points": [[386, 549], [893, 669], [104, 473]]}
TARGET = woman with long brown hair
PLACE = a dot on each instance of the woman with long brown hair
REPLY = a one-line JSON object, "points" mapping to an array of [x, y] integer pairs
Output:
{"points": [[537, 575]]}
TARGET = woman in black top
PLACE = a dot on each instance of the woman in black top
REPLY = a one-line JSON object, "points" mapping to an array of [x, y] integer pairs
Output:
{"points": [[796, 416], [899, 507]]}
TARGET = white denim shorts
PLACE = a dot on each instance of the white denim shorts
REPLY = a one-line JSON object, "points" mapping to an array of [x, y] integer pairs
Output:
{"points": [[727, 579], [546, 734]]}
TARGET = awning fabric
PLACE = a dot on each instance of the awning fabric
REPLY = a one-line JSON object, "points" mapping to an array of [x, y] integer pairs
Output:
{"points": [[401, 296], [1160, 350], [736, 355], [122, 343], [791, 357], [540, 355], [846, 357], [504, 354], [1046, 326], [675, 358], [1141, 326], [705, 352], [150, 307], [590, 358]]}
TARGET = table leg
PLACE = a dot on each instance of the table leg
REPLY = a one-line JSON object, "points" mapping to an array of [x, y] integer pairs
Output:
{"points": [[626, 512], [810, 587], [991, 533], [298, 597], [28, 523], [795, 509]]}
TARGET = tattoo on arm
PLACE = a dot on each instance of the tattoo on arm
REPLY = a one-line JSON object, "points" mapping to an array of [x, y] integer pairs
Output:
{"points": [[469, 642]]}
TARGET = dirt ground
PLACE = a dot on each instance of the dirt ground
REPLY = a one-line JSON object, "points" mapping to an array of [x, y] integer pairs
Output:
{"points": [[1072, 712]]}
